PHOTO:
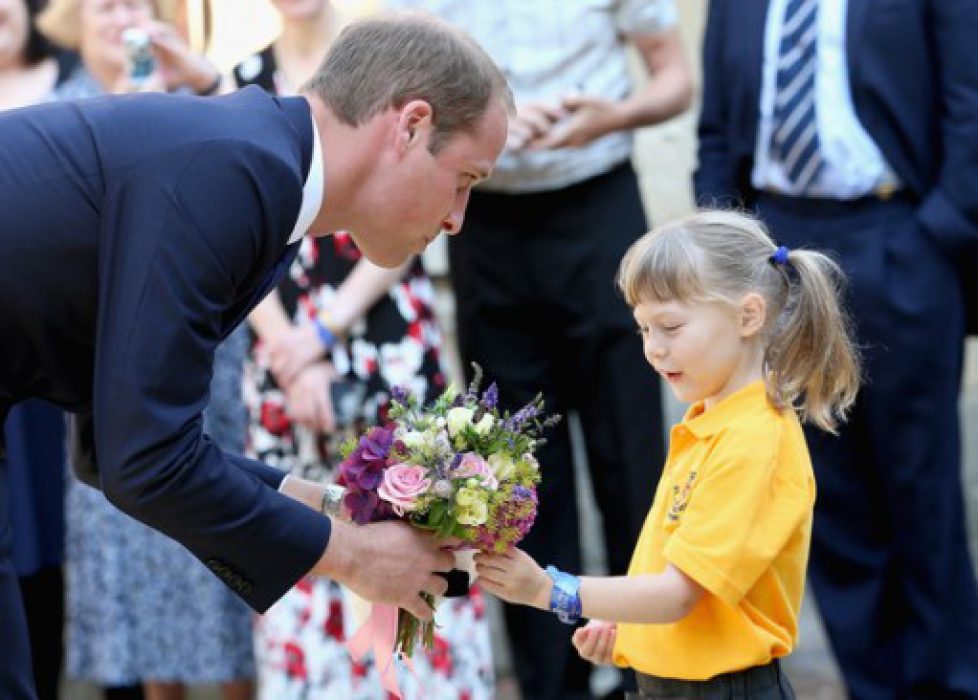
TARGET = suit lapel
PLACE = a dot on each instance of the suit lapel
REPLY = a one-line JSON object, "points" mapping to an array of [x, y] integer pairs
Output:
{"points": [[267, 283], [754, 15], [856, 13]]}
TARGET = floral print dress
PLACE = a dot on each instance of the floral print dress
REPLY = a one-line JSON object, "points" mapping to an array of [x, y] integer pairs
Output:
{"points": [[300, 642]]}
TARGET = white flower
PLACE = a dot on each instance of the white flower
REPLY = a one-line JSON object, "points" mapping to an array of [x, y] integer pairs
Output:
{"points": [[458, 418], [484, 425], [413, 439], [531, 461], [474, 514], [502, 465]]}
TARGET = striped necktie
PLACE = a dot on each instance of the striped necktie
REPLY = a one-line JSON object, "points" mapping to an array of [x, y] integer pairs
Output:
{"points": [[794, 137]]}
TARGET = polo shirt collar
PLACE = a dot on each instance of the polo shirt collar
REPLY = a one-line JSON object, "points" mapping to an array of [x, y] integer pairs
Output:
{"points": [[703, 423]]}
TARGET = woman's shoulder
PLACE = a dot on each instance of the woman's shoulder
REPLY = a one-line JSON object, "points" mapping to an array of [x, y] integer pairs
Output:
{"points": [[78, 84], [67, 62], [257, 69]]}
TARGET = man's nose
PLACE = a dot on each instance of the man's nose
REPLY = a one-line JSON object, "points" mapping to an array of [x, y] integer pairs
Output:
{"points": [[453, 223]]}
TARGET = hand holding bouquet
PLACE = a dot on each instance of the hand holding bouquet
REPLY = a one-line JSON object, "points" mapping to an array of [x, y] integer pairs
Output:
{"points": [[458, 468]]}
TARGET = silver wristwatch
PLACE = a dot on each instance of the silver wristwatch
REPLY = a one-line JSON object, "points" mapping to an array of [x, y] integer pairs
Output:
{"points": [[332, 504]]}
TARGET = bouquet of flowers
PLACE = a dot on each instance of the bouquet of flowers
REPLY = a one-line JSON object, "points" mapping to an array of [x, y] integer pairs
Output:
{"points": [[458, 468]]}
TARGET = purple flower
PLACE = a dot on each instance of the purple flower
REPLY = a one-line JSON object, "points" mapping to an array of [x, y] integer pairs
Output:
{"points": [[371, 476], [522, 493], [399, 394], [490, 397], [361, 505], [377, 443], [511, 521], [456, 460]]}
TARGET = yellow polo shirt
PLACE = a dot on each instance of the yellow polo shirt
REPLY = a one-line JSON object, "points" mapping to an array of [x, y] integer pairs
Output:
{"points": [[733, 510]]}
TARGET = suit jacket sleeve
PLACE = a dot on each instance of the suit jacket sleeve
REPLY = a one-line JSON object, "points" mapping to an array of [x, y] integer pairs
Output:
{"points": [[179, 242], [950, 210], [715, 177]]}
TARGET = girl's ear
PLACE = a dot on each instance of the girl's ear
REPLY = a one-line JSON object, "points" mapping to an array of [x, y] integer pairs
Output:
{"points": [[753, 314]]}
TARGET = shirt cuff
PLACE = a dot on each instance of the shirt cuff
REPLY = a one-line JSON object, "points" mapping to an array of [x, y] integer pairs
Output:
{"points": [[281, 486]]}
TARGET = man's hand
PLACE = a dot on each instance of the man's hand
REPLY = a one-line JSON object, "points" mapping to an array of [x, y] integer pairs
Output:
{"points": [[308, 398], [291, 351], [595, 641], [387, 562], [515, 578]]}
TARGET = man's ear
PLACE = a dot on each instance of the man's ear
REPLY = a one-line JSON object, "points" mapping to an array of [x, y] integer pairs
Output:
{"points": [[415, 122], [753, 314]]}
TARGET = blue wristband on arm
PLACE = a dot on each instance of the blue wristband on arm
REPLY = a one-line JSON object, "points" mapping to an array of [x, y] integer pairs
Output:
{"points": [[565, 598], [326, 336]]}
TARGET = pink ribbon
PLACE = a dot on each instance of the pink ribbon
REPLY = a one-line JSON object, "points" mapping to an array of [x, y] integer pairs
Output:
{"points": [[378, 633]]}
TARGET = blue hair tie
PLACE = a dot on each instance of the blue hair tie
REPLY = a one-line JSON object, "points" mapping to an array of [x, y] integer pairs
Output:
{"points": [[780, 255]]}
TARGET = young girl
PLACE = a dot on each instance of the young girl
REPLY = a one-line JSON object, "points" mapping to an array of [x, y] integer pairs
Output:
{"points": [[753, 335]]}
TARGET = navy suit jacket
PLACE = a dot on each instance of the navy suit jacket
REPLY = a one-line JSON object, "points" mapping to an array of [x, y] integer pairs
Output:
{"points": [[135, 233], [913, 72]]}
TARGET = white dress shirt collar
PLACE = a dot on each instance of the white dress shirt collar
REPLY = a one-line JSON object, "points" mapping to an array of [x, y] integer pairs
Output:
{"points": [[312, 191]]}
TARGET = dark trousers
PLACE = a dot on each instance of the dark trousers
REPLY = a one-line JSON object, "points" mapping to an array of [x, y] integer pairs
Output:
{"points": [[16, 681], [759, 683], [534, 279], [890, 565], [43, 596]]}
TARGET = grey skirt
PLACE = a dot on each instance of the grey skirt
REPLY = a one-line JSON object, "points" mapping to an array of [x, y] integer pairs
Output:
{"points": [[758, 683]]}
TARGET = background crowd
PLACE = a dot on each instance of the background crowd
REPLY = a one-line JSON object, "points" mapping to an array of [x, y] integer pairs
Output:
{"points": [[861, 148]]}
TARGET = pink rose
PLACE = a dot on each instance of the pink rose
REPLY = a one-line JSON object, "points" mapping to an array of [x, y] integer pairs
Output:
{"points": [[473, 466], [403, 485]]}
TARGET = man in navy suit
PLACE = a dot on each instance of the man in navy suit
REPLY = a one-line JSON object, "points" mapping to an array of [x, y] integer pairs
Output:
{"points": [[136, 232], [852, 126]]}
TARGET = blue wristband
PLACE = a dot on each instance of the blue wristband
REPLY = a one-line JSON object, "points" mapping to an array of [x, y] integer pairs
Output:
{"points": [[565, 598], [326, 336]]}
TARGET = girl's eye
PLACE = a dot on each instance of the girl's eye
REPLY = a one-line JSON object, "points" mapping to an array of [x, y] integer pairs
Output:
{"points": [[672, 329]]}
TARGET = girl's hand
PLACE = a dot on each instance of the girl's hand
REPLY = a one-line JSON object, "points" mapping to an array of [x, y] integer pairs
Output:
{"points": [[514, 577], [595, 641]]}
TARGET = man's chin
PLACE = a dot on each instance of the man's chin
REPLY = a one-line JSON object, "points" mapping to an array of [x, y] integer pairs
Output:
{"points": [[387, 258], [381, 258]]}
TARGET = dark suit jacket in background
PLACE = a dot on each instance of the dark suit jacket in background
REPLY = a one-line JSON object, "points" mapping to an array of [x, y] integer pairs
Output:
{"points": [[913, 74], [135, 233]]}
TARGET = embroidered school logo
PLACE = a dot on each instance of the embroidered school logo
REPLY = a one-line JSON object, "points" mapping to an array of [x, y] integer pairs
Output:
{"points": [[680, 497]]}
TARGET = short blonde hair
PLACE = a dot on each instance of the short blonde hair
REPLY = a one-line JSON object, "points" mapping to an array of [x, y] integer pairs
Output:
{"points": [[391, 58], [60, 22], [810, 359]]}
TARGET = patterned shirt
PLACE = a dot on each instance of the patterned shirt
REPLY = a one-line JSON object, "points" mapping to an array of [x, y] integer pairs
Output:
{"points": [[549, 49]]}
